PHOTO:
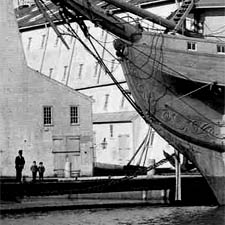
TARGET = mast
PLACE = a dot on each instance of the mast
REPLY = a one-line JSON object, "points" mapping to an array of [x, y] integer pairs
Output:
{"points": [[143, 13], [85, 9], [149, 16], [79, 10]]}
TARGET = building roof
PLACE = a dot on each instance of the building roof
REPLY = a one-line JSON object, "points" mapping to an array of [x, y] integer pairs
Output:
{"points": [[29, 17], [114, 117], [210, 4], [66, 87]]}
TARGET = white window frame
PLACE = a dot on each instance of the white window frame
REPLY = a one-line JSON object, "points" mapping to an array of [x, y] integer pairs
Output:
{"points": [[29, 43], [56, 42], [106, 101], [96, 69], [50, 72], [192, 46], [74, 115], [220, 49], [48, 118], [80, 70], [43, 40], [111, 128]]}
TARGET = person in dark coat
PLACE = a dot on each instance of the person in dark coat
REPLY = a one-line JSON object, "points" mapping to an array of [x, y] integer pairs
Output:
{"points": [[34, 170], [19, 165], [41, 170]]}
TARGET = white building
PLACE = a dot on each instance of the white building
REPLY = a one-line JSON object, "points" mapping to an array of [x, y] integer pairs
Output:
{"points": [[49, 121], [79, 70]]}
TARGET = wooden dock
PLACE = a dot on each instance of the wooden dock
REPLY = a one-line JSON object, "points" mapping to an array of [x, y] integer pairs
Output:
{"points": [[194, 187]]}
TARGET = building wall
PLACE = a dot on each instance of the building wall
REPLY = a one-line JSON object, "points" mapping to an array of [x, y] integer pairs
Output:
{"points": [[78, 69], [46, 53], [119, 146], [214, 25], [23, 93], [124, 139], [108, 99], [42, 45]]}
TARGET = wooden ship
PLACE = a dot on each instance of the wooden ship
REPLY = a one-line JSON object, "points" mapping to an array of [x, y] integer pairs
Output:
{"points": [[176, 77]]}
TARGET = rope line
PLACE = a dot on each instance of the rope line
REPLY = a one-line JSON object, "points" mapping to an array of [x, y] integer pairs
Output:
{"points": [[98, 58]]}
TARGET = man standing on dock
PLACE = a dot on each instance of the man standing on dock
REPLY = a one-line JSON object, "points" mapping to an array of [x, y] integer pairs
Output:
{"points": [[19, 164]]}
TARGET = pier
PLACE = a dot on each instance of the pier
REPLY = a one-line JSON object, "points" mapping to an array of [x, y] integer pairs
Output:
{"points": [[105, 191]]}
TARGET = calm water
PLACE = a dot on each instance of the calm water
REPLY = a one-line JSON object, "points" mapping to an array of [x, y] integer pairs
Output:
{"points": [[123, 216]]}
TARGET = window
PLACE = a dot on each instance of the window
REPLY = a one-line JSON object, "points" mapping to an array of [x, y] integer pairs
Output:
{"points": [[96, 69], [221, 49], [191, 46], [106, 101], [64, 73], [74, 115], [124, 142], [43, 40], [47, 114], [112, 65], [56, 41], [104, 144], [80, 71], [111, 130], [122, 102], [152, 138], [29, 43], [50, 72]]}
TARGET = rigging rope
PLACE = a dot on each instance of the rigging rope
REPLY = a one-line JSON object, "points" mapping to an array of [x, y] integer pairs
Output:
{"points": [[101, 62], [136, 107], [168, 88], [191, 92], [204, 130], [127, 177]]}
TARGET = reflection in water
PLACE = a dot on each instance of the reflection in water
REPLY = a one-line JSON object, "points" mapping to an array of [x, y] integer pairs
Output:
{"points": [[123, 216]]}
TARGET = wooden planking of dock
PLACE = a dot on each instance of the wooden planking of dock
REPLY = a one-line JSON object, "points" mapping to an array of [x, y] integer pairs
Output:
{"points": [[194, 187]]}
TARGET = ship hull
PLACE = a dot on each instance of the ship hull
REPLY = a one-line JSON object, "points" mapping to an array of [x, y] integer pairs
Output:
{"points": [[186, 109]]}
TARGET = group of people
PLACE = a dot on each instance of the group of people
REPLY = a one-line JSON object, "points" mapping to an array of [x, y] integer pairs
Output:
{"points": [[40, 169], [19, 165]]}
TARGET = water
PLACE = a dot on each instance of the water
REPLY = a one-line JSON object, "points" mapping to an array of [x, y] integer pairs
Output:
{"points": [[157, 215]]}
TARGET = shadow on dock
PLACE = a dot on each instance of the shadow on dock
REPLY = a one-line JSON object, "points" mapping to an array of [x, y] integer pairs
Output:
{"points": [[114, 191]]}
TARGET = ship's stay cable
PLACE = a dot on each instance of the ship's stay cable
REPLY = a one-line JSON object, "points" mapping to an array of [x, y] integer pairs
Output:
{"points": [[144, 146], [111, 182], [204, 129], [191, 121], [53, 14], [121, 89], [127, 96], [98, 58], [191, 92], [210, 121], [208, 84], [172, 70], [138, 150], [195, 110], [161, 162]]}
